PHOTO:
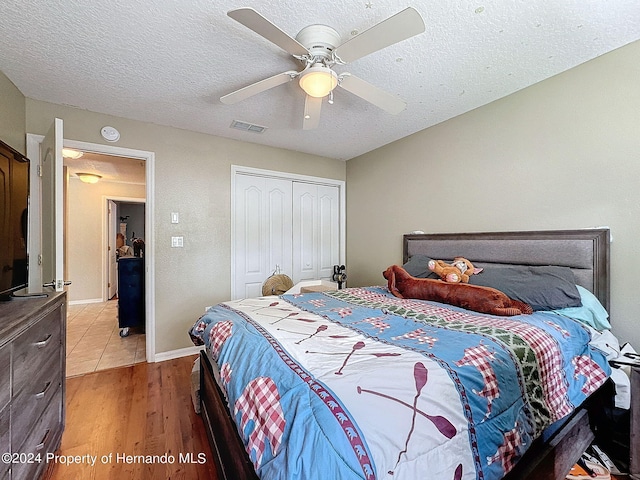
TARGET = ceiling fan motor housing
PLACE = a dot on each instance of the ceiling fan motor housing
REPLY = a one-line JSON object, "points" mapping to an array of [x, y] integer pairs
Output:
{"points": [[320, 40]]}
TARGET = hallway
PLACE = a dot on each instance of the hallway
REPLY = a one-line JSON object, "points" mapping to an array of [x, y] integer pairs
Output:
{"points": [[94, 342]]}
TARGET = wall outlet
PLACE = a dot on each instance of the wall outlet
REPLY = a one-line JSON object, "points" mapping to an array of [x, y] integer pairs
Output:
{"points": [[177, 242]]}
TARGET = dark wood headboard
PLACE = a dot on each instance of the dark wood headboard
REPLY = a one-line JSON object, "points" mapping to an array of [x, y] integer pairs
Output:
{"points": [[586, 252]]}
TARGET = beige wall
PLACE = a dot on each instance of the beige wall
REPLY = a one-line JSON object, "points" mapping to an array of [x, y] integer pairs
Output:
{"points": [[564, 153], [192, 177], [86, 225], [12, 115]]}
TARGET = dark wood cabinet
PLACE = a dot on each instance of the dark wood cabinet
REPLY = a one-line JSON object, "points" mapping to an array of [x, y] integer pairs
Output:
{"points": [[32, 382], [14, 194], [131, 308]]}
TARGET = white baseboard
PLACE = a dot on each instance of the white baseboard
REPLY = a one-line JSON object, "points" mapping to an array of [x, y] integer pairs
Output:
{"points": [[88, 300], [182, 352]]}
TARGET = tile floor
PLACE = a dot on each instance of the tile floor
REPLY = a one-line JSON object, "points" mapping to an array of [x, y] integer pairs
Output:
{"points": [[94, 342]]}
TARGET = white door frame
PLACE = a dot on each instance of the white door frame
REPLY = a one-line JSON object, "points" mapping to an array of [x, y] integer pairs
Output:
{"points": [[112, 269], [33, 151], [240, 170]]}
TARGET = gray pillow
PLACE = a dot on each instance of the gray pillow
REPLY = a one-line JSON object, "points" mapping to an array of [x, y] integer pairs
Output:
{"points": [[545, 287], [418, 266]]}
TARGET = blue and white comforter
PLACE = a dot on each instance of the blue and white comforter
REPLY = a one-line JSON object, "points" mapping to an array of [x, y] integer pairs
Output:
{"points": [[359, 384]]}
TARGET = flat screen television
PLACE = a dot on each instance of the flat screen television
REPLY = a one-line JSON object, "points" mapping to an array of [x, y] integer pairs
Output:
{"points": [[14, 201]]}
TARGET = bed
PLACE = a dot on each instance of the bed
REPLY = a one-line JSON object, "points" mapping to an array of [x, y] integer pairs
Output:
{"points": [[359, 383]]}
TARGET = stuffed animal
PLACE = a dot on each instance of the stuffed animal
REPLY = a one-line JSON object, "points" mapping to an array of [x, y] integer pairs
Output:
{"points": [[458, 271], [472, 297]]}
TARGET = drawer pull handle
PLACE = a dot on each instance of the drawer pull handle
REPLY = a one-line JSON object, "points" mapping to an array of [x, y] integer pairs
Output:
{"points": [[40, 446], [44, 342], [43, 392]]}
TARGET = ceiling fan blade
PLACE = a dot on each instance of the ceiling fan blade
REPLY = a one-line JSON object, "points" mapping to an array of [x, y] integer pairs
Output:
{"points": [[401, 26], [372, 94], [258, 87], [312, 107], [256, 22]]}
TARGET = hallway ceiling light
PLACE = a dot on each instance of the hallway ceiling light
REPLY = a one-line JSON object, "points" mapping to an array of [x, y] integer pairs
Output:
{"points": [[89, 177], [71, 153]]}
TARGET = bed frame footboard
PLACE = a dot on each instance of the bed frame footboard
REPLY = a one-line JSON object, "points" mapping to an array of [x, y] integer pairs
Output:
{"points": [[552, 459], [231, 458]]}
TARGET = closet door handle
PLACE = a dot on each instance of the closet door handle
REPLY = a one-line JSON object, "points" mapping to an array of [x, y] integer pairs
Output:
{"points": [[43, 343], [43, 392]]}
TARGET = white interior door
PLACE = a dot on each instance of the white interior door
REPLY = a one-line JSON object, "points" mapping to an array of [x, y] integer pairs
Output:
{"points": [[305, 229], [316, 231], [112, 213], [262, 232], [52, 207], [328, 230], [293, 221]]}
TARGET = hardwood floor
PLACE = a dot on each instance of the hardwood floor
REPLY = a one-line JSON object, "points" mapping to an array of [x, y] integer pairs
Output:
{"points": [[139, 410]]}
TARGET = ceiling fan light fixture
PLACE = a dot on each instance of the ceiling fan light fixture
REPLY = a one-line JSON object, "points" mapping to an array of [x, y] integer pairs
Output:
{"points": [[318, 81], [89, 177]]}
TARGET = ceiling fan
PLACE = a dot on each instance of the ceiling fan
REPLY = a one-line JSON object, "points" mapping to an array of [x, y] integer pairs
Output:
{"points": [[319, 48]]}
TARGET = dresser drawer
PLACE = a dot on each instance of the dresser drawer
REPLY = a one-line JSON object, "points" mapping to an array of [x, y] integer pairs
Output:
{"points": [[5, 375], [32, 400], [31, 349], [44, 438]]}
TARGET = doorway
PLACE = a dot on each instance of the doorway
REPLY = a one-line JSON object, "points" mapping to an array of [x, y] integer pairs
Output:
{"points": [[97, 323], [148, 160]]}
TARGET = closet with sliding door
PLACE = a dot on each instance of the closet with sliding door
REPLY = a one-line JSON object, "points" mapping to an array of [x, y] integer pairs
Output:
{"points": [[284, 223]]}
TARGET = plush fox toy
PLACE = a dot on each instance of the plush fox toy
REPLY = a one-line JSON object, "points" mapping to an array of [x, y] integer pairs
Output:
{"points": [[458, 271]]}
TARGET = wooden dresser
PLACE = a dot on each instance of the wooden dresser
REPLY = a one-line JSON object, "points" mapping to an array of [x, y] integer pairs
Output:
{"points": [[32, 383]]}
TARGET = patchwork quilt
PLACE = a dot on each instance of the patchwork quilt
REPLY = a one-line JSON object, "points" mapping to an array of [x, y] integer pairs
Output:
{"points": [[359, 384]]}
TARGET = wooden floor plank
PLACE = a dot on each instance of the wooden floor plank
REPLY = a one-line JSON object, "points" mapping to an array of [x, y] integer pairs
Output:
{"points": [[141, 410]]}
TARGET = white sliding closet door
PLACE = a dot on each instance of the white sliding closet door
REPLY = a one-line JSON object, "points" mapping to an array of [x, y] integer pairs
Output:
{"points": [[287, 222], [316, 231], [262, 231]]}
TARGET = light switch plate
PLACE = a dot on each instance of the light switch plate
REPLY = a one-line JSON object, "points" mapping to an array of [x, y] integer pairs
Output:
{"points": [[175, 217]]}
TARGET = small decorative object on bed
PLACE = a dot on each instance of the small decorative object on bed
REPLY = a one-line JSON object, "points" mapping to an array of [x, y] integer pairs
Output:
{"points": [[277, 284], [458, 271], [358, 383]]}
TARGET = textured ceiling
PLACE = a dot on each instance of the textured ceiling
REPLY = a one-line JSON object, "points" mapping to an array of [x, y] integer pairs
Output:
{"points": [[169, 61], [111, 168]]}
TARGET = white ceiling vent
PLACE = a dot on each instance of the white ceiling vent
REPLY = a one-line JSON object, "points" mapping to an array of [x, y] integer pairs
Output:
{"points": [[249, 127]]}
